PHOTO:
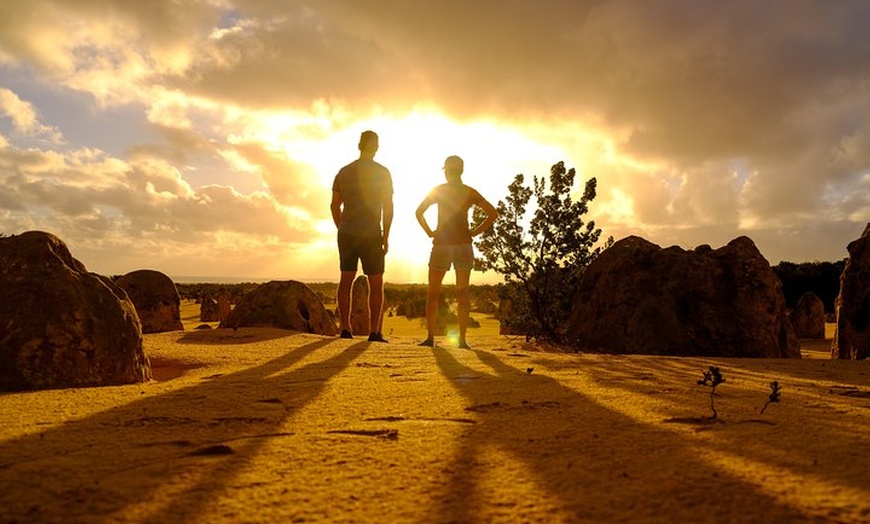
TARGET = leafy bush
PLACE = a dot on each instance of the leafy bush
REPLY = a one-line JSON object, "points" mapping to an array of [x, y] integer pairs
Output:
{"points": [[541, 258], [196, 291], [774, 396], [712, 378], [821, 278]]}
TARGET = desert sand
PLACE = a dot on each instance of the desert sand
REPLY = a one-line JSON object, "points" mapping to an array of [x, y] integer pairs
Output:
{"points": [[265, 425]]}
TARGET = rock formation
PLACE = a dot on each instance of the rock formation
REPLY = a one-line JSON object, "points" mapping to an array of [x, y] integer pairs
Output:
{"points": [[282, 304], [224, 306], [360, 318], [639, 298], [156, 300], [852, 339], [61, 326], [808, 317], [209, 310]]}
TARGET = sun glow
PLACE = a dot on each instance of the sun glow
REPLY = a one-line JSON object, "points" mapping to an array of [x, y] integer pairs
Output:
{"points": [[414, 147]]}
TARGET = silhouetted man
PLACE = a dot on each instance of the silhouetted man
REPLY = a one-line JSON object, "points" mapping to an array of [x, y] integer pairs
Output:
{"points": [[452, 242], [362, 199]]}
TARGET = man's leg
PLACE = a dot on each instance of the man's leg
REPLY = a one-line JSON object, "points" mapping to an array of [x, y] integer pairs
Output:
{"points": [[436, 276], [344, 287], [462, 278], [373, 266], [376, 302]]}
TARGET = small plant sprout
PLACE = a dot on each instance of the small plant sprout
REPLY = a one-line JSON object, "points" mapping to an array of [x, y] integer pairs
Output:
{"points": [[712, 378], [775, 394]]}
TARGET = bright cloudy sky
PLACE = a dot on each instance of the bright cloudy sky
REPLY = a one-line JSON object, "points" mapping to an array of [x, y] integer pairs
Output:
{"points": [[201, 137]]}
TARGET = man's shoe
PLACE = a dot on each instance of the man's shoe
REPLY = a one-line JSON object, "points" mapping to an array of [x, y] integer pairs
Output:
{"points": [[377, 337], [346, 334], [429, 342], [463, 345]]}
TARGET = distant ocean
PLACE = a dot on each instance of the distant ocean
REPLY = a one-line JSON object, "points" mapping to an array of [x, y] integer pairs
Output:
{"points": [[236, 280], [186, 279]]}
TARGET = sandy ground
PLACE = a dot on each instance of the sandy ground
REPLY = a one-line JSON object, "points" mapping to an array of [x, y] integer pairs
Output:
{"points": [[264, 425]]}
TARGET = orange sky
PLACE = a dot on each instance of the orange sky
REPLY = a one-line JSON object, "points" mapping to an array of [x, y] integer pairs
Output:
{"points": [[201, 138]]}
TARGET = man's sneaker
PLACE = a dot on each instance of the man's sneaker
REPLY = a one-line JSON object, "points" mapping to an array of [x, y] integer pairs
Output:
{"points": [[346, 334], [376, 336], [429, 342]]}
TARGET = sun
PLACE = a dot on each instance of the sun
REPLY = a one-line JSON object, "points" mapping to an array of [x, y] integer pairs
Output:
{"points": [[413, 147]]}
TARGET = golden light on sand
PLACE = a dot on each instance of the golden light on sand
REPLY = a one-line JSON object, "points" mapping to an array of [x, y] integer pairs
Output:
{"points": [[278, 426]]}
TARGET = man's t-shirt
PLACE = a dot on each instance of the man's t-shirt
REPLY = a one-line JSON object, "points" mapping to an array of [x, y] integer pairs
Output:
{"points": [[364, 186], [454, 200]]}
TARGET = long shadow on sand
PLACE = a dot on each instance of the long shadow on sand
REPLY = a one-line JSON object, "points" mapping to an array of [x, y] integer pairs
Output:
{"points": [[171, 451], [822, 411], [228, 336], [583, 462]]}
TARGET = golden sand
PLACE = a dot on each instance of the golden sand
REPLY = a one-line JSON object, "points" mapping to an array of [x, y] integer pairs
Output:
{"points": [[265, 425]]}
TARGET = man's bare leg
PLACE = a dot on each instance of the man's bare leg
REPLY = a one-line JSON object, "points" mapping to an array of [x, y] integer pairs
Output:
{"points": [[344, 287], [376, 302]]}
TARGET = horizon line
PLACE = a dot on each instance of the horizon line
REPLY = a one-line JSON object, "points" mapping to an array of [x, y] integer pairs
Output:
{"points": [[189, 279]]}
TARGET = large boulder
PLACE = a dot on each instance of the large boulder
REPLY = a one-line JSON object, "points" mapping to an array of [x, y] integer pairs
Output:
{"points": [[61, 326], [808, 316], [360, 318], [282, 304], [639, 298], [852, 339], [156, 300]]}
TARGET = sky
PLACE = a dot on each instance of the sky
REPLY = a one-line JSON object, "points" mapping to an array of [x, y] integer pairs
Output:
{"points": [[200, 138]]}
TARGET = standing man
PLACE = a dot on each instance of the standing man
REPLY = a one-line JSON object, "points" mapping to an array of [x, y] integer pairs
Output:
{"points": [[452, 242], [362, 197]]}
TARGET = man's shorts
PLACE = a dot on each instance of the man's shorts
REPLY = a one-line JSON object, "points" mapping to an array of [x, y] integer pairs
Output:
{"points": [[460, 255], [367, 249]]}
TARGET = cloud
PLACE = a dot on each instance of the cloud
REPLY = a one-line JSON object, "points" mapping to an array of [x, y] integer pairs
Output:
{"points": [[704, 117], [24, 118], [91, 195], [290, 183], [291, 61], [177, 145]]}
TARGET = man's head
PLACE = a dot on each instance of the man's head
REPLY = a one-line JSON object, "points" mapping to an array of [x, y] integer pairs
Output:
{"points": [[453, 166], [368, 143]]}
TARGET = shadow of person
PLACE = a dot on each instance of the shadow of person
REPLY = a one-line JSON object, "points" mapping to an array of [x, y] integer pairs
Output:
{"points": [[173, 451], [541, 448], [832, 424], [230, 336]]}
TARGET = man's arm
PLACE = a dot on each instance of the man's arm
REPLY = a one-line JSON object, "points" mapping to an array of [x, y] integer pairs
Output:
{"points": [[388, 221], [491, 216], [335, 207]]}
